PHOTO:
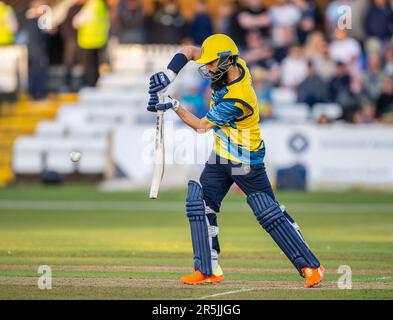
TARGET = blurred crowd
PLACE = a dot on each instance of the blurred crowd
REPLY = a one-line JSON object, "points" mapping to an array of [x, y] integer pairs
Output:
{"points": [[341, 53]]}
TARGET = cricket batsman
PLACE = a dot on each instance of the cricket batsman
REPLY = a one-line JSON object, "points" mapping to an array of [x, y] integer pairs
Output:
{"points": [[238, 157]]}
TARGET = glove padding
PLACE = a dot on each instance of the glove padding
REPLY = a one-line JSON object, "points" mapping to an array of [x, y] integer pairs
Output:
{"points": [[168, 103], [153, 101], [160, 81]]}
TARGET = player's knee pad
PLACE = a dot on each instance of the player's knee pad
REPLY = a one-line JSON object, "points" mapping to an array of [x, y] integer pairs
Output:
{"points": [[195, 208], [273, 220]]}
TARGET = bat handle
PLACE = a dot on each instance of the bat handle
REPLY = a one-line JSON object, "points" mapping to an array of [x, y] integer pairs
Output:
{"points": [[160, 100], [161, 97]]}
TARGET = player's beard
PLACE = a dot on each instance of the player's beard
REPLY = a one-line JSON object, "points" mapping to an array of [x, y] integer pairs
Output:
{"points": [[221, 82]]}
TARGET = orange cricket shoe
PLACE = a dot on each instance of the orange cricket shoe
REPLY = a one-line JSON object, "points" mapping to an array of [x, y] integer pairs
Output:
{"points": [[198, 278], [313, 276]]}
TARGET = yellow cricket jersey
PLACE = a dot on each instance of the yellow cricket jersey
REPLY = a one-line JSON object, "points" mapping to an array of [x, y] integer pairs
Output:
{"points": [[234, 111]]}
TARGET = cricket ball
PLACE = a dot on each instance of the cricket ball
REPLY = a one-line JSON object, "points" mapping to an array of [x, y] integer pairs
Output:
{"points": [[75, 156]]}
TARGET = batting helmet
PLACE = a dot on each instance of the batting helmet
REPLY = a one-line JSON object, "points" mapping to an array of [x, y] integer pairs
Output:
{"points": [[221, 47], [217, 46]]}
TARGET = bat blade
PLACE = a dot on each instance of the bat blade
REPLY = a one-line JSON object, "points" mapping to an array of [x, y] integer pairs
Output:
{"points": [[159, 156]]}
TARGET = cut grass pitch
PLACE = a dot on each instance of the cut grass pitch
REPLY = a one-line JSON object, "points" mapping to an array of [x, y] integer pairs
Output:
{"points": [[123, 246]]}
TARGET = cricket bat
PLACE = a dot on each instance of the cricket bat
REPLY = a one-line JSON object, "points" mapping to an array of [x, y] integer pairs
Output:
{"points": [[159, 154]]}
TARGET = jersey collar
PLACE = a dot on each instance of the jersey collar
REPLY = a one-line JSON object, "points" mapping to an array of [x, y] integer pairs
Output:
{"points": [[240, 77]]}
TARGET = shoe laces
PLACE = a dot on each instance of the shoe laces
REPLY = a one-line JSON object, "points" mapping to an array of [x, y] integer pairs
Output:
{"points": [[308, 272]]}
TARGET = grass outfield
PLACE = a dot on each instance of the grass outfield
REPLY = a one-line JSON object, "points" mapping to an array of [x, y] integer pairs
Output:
{"points": [[124, 246]]}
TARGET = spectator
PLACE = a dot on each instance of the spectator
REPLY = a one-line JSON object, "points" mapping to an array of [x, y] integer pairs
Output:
{"points": [[263, 90], [224, 12], [317, 50], [345, 91], [8, 24], [193, 99], [201, 25], [385, 99], [207, 93], [379, 20], [324, 119], [359, 10], [368, 112], [293, 68], [373, 77], [92, 24], [260, 52], [312, 89], [340, 83], [285, 17], [309, 18], [357, 117], [38, 55], [129, 21], [343, 48], [365, 114], [252, 15], [168, 24], [315, 45], [388, 69], [373, 46], [333, 14], [71, 50]]}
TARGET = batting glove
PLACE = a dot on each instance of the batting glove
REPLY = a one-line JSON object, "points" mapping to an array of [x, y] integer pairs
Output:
{"points": [[153, 101], [161, 80], [168, 103]]}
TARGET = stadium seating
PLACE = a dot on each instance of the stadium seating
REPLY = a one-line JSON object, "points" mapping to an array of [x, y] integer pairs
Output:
{"points": [[140, 59], [119, 98], [50, 129], [60, 129], [21, 118], [116, 81], [112, 97], [36, 154], [283, 96], [331, 110], [292, 112]]}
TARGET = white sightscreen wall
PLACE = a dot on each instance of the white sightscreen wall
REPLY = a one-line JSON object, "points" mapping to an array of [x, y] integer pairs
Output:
{"points": [[335, 156]]}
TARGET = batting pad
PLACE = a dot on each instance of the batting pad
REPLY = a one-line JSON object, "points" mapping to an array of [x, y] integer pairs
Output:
{"points": [[272, 219], [195, 208]]}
